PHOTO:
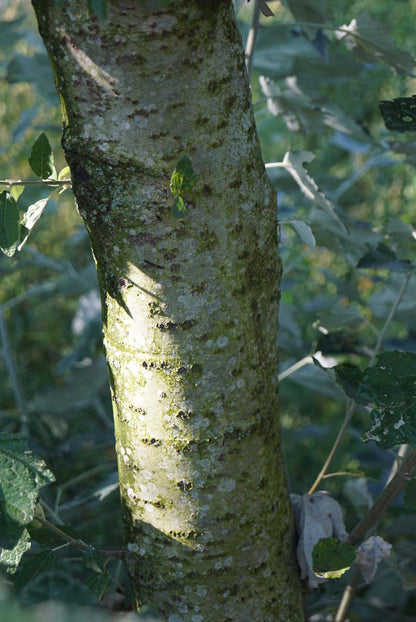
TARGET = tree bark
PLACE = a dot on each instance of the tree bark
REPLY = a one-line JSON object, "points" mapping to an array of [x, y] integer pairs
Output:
{"points": [[190, 305]]}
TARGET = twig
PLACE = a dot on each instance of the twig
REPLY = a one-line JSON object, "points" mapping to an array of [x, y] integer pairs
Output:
{"points": [[392, 490], [396, 482], [390, 317], [348, 596], [43, 182], [337, 442], [290, 370], [252, 36], [80, 544], [351, 408]]}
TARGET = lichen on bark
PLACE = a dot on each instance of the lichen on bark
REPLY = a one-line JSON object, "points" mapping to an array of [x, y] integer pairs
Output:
{"points": [[189, 306]]}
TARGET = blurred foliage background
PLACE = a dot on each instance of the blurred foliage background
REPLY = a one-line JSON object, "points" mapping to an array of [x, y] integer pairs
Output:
{"points": [[344, 270]]}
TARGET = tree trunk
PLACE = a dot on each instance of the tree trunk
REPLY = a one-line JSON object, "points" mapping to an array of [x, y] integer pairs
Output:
{"points": [[190, 304]]}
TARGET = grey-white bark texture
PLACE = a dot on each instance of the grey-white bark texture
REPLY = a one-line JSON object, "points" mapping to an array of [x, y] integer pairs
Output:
{"points": [[189, 306]]}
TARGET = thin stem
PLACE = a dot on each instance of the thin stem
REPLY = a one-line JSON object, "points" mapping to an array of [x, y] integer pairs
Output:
{"points": [[290, 370], [252, 36], [391, 491], [390, 318], [349, 413], [17, 389], [80, 544], [275, 165], [348, 596], [43, 182], [351, 408]]}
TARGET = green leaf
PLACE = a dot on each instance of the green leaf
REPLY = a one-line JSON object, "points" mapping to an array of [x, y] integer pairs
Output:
{"points": [[41, 158], [22, 475], [31, 217], [371, 41], [9, 224], [183, 177], [98, 7], [93, 559], [399, 114], [390, 386], [304, 232], [97, 583], [409, 496], [57, 585], [33, 565], [179, 208], [332, 558], [16, 191], [65, 173], [14, 542], [348, 376]]}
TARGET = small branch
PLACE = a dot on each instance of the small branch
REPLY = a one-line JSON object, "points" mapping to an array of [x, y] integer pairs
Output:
{"points": [[337, 442], [275, 165], [351, 408], [43, 182], [290, 370], [252, 36], [11, 369], [393, 489], [389, 319], [80, 544], [348, 596]]}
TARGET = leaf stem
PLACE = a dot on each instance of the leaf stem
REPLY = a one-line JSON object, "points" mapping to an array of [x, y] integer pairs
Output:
{"points": [[43, 182], [349, 413], [392, 490], [389, 319], [352, 405], [290, 370], [80, 544]]}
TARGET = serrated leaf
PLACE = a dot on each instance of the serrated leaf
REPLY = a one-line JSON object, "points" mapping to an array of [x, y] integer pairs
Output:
{"points": [[332, 558], [409, 495], [31, 217], [183, 177], [15, 541], [349, 377], [370, 41], [33, 565], [22, 475], [97, 583], [57, 585], [9, 224], [41, 158], [390, 386], [399, 114], [179, 208], [293, 161]]}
